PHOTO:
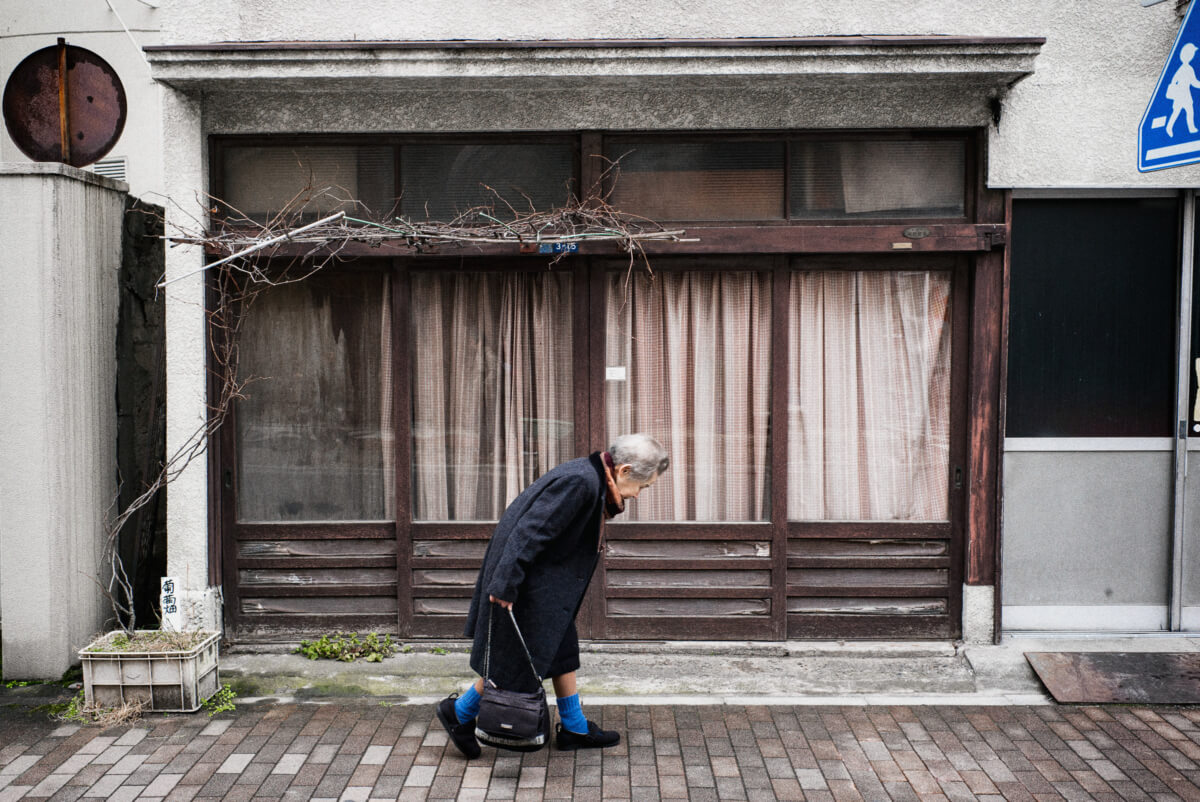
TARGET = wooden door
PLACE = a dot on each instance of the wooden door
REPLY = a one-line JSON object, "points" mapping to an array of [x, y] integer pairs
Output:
{"points": [[308, 474], [875, 508]]}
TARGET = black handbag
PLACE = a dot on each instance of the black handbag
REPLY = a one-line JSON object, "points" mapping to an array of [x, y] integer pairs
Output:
{"points": [[512, 720]]}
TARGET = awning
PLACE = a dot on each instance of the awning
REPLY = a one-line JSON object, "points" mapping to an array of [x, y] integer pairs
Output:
{"points": [[987, 65]]}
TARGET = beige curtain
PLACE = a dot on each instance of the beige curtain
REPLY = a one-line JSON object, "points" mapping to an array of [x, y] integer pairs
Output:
{"points": [[492, 391], [868, 396], [314, 433], [688, 359]]}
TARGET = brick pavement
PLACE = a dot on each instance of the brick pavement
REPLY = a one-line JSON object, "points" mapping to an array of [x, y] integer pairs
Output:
{"points": [[364, 750]]}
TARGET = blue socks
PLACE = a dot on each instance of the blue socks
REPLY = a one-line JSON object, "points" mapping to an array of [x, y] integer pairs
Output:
{"points": [[466, 707], [571, 714]]}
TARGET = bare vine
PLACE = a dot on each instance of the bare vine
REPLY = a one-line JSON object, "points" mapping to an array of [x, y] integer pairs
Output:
{"points": [[249, 256]]}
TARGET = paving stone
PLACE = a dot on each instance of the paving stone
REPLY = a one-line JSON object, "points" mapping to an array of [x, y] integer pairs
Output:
{"points": [[235, 763], [133, 736], [362, 752], [218, 785], [126, 793], [376, 755], [288, 764]]}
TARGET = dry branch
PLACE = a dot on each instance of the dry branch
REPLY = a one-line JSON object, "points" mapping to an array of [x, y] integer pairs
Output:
{"points": [[237, 278]]}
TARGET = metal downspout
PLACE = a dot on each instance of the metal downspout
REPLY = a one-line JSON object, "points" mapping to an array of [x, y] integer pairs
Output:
{"points": [[1183, 415]]}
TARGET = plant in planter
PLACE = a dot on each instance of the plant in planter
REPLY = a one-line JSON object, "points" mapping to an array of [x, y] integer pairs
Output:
{"points": [[157, 669]]}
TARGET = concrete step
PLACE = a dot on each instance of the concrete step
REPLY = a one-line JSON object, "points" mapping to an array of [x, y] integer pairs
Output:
{"points": [[704, 672]]}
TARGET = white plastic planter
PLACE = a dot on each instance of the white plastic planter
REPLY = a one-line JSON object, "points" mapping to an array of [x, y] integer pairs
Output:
{"points": [[169, 681]]}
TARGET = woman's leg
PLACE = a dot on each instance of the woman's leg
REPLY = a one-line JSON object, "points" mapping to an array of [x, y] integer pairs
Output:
{"points": [[564, 685], [467, 705]]}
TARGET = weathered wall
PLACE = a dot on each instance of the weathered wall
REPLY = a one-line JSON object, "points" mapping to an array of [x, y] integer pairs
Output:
{"points": [[61, 234], [186, 344], [26, 27], [1071, 124]]}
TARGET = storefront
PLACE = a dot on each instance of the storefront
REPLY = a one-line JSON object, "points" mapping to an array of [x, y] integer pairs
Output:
{"points": [[825, 354], [804, 355]]}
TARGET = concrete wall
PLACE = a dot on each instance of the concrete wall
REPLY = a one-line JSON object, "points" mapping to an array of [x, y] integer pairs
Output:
{"points": [[187, 390], [26, 27], [61, 234], [1071, 124], [1086, 539]]}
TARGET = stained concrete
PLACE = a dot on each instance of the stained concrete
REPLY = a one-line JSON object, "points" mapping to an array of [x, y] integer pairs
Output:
{"points": [[796, 671]]}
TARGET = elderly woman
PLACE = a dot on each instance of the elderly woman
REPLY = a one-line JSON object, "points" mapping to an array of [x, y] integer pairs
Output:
{"points": [[538, 564]]}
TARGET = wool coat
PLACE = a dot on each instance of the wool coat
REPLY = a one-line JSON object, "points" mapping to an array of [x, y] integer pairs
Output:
{"points": [[541, 558]]}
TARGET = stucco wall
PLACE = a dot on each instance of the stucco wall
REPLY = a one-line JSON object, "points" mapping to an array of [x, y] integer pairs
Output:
{"points": [[187, 408], [59, 264], [26, 27], [1073, 123]]}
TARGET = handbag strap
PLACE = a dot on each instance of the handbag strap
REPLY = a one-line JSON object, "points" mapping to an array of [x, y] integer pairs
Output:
{"points": [[487, 654]]}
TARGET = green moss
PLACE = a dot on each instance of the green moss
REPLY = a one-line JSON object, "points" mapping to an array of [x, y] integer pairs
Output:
{"points": [[332, 688]]}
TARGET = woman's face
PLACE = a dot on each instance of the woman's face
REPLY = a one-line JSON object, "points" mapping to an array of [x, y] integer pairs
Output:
{"points": [[627, 486]]}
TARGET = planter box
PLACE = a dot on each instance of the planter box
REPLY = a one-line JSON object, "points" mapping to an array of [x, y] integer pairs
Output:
{"points": [[167, 681]]}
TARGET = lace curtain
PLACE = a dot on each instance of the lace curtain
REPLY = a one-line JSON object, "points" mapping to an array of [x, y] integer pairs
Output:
{"points": [[492, 390], [868, 396], [688, 359]]}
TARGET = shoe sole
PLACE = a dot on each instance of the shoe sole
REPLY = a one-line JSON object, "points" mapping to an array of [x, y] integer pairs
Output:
{"points": [[577, 747]]}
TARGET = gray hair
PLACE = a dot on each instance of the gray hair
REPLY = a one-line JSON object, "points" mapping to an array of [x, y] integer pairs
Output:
{"points": [[645, 455]]}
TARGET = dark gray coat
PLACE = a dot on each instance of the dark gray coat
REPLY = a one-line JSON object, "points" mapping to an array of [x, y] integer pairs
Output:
{"points": [[541, 557]]}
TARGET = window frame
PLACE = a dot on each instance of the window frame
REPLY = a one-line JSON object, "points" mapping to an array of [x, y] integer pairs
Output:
{"points": [[886, 242]]}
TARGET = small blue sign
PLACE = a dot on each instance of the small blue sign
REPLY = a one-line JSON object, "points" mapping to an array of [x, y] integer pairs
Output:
{"points": [[1169, 135], [559, 247]]}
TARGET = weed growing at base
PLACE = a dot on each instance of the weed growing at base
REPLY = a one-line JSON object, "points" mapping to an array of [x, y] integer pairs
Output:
{"points": [[371, 647], [221, 701]]}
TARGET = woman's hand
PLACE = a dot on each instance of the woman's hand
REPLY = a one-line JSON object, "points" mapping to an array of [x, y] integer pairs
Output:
{"points": [[507, 605]]}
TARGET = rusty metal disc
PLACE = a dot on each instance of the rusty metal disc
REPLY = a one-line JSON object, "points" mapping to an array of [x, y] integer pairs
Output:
{"points": [[64, 88]]}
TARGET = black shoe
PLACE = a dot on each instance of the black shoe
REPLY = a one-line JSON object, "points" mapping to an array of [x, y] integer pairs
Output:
{"points": [[461, 735], [595, 738]]}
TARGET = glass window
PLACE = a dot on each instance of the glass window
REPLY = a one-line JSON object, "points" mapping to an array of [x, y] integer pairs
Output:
{"points": [[315, 436], [877, 178], [261, 181], [440, 182], [492, 390], [731, 180], [1093, 318], [688, 360], [868, 396]]}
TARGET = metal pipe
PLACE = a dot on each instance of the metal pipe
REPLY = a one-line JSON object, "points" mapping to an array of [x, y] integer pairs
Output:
{"points": [[1183, 383], [257, 247], [64, 115]]}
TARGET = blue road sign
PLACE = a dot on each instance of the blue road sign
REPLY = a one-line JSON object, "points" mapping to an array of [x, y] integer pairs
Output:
{"points": [[1169, 135]]}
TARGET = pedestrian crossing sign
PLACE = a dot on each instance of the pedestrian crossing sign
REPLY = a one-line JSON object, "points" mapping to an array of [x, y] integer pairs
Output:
{"points": [[1169, 135]]}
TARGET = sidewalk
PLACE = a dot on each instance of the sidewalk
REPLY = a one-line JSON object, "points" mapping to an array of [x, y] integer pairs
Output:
{"points": [[754, 721], [371, 750]]}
